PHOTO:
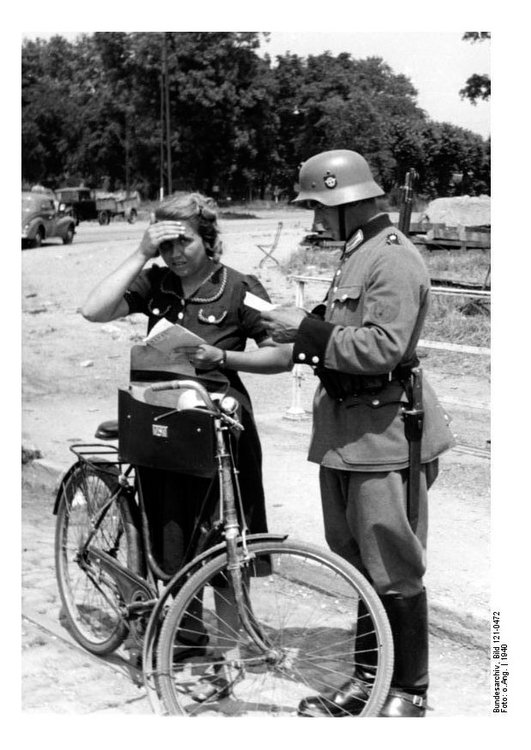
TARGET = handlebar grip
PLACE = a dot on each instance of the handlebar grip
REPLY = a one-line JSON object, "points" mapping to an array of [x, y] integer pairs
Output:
{"points": [[169, 385]]}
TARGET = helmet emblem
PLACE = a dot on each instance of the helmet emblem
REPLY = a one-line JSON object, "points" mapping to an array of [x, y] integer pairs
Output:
{"points": [[330, 180]]}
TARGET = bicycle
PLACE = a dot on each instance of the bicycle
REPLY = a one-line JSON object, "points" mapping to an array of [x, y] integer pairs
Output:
{"points": [[284, 614]]}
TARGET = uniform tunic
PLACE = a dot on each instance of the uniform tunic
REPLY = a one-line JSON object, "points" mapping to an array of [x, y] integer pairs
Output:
{"points": [[375, 311], [216, 313], [370, 325]]}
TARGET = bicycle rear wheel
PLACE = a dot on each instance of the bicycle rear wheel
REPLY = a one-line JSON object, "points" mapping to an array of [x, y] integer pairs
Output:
{"points": [[90, 598], [302, 602]]}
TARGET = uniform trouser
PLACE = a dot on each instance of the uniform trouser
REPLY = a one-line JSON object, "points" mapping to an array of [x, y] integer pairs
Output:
{"points": [[366, 523]]}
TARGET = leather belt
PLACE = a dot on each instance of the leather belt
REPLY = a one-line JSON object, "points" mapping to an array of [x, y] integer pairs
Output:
{"points": [[341, 385]]}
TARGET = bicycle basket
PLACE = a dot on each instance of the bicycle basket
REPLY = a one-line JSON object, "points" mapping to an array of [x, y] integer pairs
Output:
{"points": [[162, 438]]}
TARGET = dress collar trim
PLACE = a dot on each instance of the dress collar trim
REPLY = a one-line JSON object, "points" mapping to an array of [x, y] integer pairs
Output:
{"points": [[211, 289]]}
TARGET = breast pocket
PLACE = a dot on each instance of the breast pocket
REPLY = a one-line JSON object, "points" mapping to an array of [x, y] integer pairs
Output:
{"points": [[213, 316], [346, 300]]}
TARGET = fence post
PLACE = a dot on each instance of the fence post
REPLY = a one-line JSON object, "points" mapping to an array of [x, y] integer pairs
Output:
{"points": [[296, 410]]}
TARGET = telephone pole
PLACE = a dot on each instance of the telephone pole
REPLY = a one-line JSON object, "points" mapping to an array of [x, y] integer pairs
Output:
{"points": [[165, 129]]}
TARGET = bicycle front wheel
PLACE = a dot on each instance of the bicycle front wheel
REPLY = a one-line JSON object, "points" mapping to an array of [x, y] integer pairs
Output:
{"points": [[301, 605], [90, 598]]}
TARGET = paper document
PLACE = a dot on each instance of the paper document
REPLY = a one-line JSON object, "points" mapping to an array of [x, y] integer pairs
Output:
{"points": [[167, 337], [257, 303]]}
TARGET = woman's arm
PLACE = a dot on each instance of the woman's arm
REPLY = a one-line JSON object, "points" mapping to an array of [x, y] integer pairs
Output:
{"points": [[106, 301], [268, 359]]}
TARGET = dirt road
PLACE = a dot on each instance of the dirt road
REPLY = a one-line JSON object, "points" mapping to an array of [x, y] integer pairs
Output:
{"points": [[71, 370]]}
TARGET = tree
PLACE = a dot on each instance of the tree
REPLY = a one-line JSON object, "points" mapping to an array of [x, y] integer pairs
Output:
{"points": [[477, 86], [337, 102], [457, 161], [91, 112]]}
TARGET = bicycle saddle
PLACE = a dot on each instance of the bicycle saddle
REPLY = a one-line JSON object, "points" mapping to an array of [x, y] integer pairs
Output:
{"points": [[107, 430]]}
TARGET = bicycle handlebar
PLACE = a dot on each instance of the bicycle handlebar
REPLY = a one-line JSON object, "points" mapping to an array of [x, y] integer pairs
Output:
{"points": [[171, 385]]}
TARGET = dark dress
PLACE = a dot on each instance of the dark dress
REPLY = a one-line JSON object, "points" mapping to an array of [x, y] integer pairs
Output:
{"points": [[216, 313]]}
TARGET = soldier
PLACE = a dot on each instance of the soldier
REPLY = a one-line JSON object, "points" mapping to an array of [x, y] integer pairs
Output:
{"points": [[376, 461]]}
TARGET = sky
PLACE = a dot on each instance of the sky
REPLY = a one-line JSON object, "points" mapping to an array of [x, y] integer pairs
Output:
{"points": [[437, 63]]}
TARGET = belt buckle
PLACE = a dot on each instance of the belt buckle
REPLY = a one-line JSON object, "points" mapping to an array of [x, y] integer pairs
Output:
{"points": [[417, 700]]}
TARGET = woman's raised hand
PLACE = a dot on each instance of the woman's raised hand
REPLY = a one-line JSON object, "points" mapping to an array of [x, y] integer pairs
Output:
{"points": [[157, 233]]}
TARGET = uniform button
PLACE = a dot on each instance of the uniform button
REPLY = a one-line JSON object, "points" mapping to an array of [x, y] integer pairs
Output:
{"points": [[335, 289], [315, 360], [338, 272], [302, 356], [180, 316], [376, 402], [344, 296], [156, 311]]}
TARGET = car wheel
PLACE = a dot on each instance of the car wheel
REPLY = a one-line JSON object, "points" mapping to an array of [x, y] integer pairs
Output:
{"points": [[37, 240], [103, 217], [69, 236]]}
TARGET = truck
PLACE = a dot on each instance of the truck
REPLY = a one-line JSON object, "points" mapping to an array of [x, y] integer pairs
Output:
{"points": [[86, 204]]}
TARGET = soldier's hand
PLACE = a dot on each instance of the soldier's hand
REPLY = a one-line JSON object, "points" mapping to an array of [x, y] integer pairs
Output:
{"points": [[282, 323]]}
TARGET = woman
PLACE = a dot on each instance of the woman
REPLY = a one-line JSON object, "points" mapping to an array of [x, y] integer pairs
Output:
{"points": [[195, 290]]}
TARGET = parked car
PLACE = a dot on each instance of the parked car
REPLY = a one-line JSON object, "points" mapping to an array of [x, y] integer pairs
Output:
{"points": [[41, 220], [79, 203]]}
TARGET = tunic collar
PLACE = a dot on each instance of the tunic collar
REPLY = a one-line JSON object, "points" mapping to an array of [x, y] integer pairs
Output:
{"points": [[366, 232]]}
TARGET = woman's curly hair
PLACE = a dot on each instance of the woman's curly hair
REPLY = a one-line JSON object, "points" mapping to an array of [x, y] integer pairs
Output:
{"points": [[200, 211]]}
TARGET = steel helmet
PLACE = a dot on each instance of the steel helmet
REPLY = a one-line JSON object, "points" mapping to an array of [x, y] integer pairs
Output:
{"points": [[336, 177]]}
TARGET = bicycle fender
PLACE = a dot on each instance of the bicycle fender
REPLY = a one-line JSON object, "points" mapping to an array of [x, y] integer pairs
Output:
{"points": [[65, 478]]}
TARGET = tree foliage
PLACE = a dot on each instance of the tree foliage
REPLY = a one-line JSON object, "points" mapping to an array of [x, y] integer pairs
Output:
{"points": [[477, 86], [239, 123]]}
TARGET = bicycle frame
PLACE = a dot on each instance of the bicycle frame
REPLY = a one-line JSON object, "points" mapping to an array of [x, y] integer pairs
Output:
{"points": [[235, 538]]}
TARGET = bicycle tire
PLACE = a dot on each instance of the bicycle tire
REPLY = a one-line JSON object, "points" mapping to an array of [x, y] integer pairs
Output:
{"points": [[89, 597], [304, 602]]}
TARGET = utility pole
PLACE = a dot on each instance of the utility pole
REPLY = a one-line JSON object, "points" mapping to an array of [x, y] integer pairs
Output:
{"points": [[162, 129], [165, 121], [127, 155]]}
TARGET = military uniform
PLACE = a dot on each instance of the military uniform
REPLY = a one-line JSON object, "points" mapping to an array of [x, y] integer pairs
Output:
{"points": [[361, 344], [374, 477]]}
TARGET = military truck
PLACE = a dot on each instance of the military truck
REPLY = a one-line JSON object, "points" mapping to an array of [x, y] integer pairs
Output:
{"points": [[85, 204]]}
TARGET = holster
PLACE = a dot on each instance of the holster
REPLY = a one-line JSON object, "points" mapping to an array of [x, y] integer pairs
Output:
{"points": [[413, 423]]}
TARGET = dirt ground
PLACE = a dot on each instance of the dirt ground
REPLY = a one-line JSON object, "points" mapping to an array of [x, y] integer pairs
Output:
{"points": [[70, 372]]}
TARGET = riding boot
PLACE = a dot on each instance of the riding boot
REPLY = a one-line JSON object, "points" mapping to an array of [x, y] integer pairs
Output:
{"points": [[408, 618], [350, 699]]}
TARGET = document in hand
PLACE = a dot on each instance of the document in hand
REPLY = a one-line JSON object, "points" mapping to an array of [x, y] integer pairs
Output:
{"points": [[257, 303], [167, 337]]}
